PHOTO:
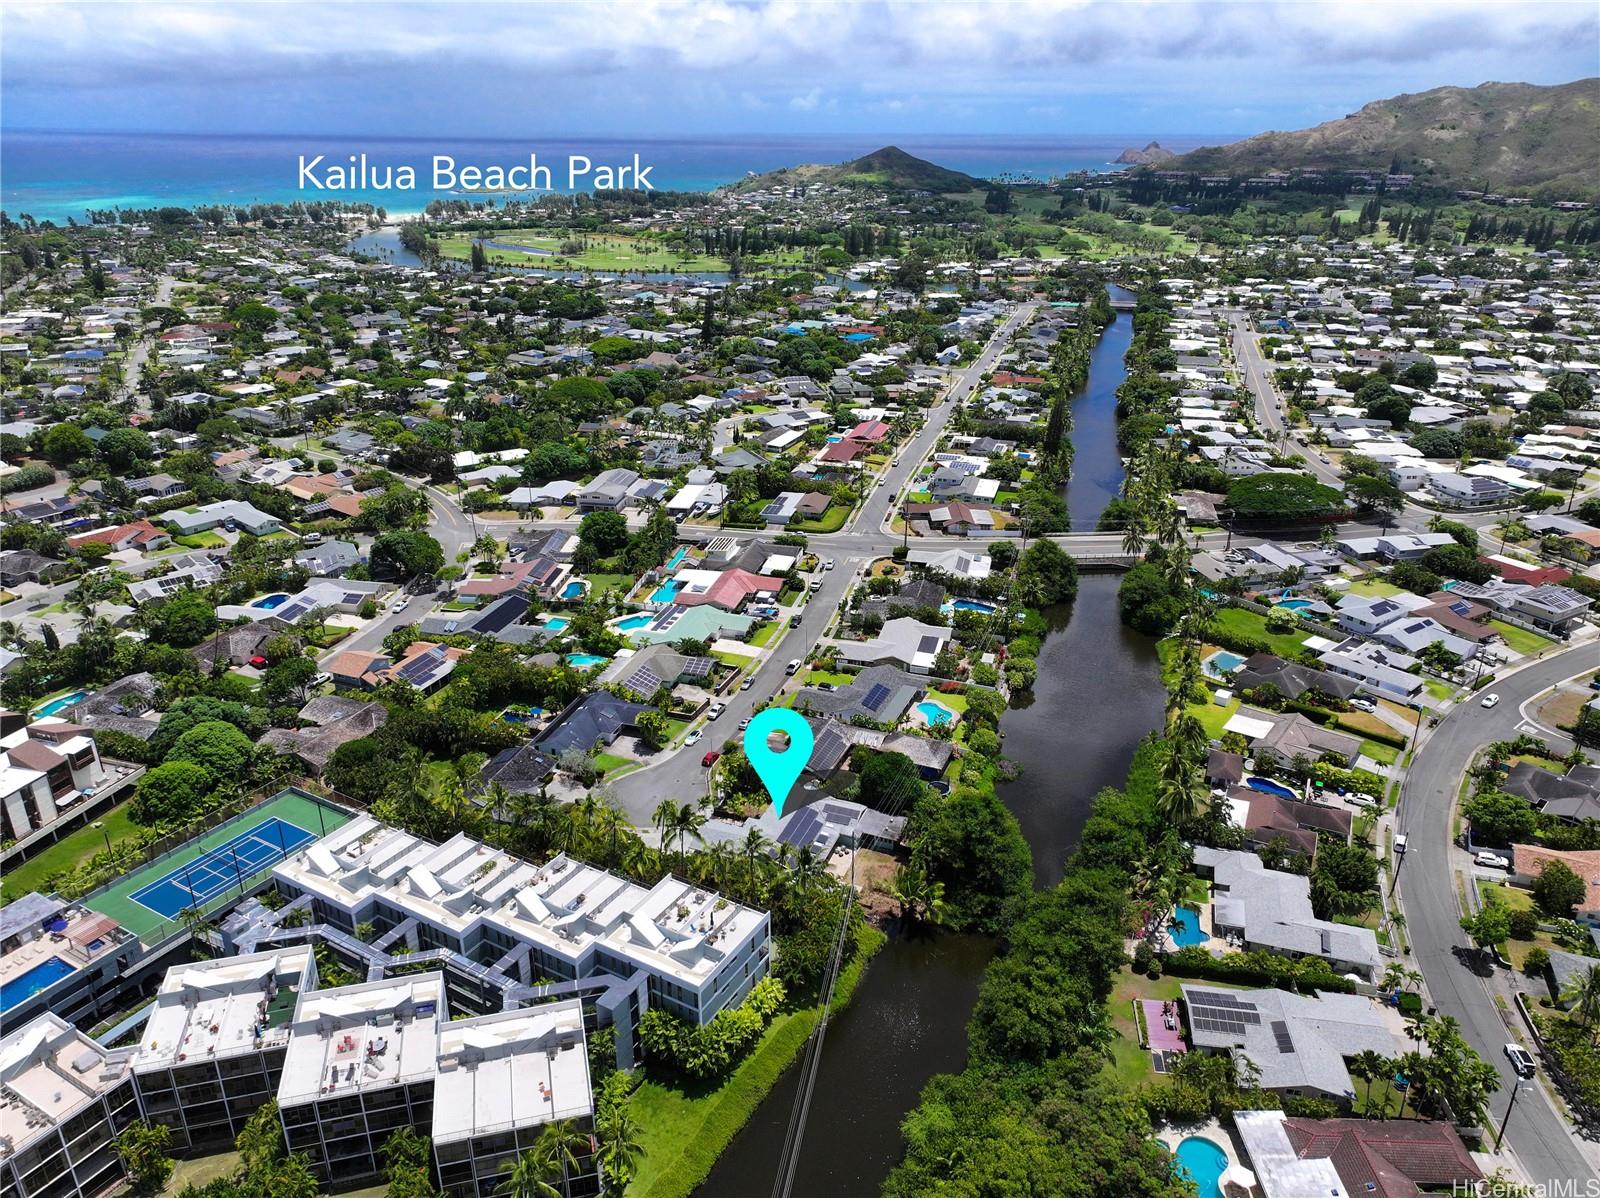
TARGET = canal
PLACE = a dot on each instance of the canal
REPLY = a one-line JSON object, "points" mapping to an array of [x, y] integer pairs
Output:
{"points": [[1097, 471], [1098, 692]]}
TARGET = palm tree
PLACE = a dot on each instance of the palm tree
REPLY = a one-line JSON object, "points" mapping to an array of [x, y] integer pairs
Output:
{"points": [[920, 900], [560, 1146], [1583, 992], [527, 1176], [662, 817], [755, 847], [687, 820], [620, 1149], [808, 868], [1368, 1066]]}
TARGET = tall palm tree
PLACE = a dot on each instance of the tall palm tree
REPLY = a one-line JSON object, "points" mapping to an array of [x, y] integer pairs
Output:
{"points": [[687, 820], [1181, 792], [560, 1146], [527, 1176], [620, 1147], [754, 847], [1368, 1066], [1583, 992]]}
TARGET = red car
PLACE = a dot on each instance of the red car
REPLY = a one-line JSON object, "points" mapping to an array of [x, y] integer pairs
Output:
{"points": [[710, 759], [258, 661]]}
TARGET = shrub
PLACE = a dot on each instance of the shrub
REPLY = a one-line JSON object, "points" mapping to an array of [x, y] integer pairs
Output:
{"points": [[1524, 924], [1536, 962], [1258, 968], [713, 1048]]}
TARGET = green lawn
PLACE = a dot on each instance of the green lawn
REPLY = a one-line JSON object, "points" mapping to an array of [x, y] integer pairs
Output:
{"points": [[1520, 639], [764, 633], [604, 251], [599, 584], [1212, 717], [815, 676], [1437, 687], [1248, 623], [1375, 588], [200, 540], [611, 761], [1506, 895], [69, 852], [831, 520]]}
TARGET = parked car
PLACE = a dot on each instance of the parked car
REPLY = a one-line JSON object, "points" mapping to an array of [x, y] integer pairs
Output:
{"points": [[1490, 700], [321, 678], [1492, 860], [1361, 704], [816, 585], [402, 605], [794, 620], [693, 736], [716, 710], [1521, 1060], [793, 667], [710, 759], [258, 661], [311, 538], [1400, 843], [744, 723], [747, 683], [828, 565]]}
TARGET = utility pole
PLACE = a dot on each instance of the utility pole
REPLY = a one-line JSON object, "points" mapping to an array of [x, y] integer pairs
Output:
{"points": [[1510, 1106]]}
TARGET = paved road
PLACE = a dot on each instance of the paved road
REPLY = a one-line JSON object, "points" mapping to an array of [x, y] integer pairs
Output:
{"points": [[1537, 1133], [1256, 374], [133, 370]]}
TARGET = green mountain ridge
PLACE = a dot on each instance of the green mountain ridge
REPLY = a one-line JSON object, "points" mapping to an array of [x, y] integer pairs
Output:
{"points": [[889, 167], [1499, 136]]}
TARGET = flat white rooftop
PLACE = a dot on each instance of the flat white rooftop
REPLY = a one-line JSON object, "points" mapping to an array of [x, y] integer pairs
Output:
{"points": [[49, 1071], [212, 1009], [672, 928], [514, 1069], [362, 1037]]}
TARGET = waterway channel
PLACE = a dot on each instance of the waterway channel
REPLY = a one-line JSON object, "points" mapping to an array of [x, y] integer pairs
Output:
{"points": [[1097, 693]]}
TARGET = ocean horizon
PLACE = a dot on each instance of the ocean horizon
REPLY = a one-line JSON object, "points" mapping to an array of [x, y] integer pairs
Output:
{"points": [[52, 175]]}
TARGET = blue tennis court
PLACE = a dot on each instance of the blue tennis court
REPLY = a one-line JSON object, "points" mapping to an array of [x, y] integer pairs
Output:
{"points": [[230, 864]]}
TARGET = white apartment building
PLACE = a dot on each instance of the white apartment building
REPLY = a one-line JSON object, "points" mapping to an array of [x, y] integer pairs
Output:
{"points": [[44, 769], [63, 1100], [563, 920]]}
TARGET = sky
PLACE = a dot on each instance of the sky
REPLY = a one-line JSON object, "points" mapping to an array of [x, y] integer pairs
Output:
{"points": [[674, 68]]}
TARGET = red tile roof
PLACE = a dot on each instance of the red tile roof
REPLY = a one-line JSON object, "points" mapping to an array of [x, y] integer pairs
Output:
{"points": [[732, 589], [1392, 1158]]}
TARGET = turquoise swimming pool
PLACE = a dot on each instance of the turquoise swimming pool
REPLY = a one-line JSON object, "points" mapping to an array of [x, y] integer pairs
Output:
{"points": [[61, 704], [268, 602], [987, 609], [633, 623], [1203, 1162], [1295, 604], [586, 661], [1185, 927], [935, 713], [556, 623], [42, 976], [665, 592], [1222, 663], [676, 558], [573, 590]]}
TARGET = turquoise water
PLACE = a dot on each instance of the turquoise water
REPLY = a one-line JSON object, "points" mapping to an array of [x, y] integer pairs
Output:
{"points": [[1203, 1162], [858, 336], [586, 661], [268, 602], [1268, 786], [973, 605], [556, 623], [665, 592], [61, 704], [573, 590], [1295, 604], [629, 623], [1185, 929], [672, 562], [935, 713], [511, 716], [1222, 663], [25, 985]]}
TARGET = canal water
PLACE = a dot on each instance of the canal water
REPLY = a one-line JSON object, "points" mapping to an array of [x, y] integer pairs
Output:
{"points": [[1098, 692], [1097, 471]]}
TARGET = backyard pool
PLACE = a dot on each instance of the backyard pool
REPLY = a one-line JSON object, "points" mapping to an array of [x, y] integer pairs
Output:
{"points": [[672, 562], [987, 609], [25, 985], [858, 337], [1268, 786], [573, 590], [556, 623], [61, 704], [1295, 604], [268, 602], [1185, 927], [665, 592], [586, 661], [935, 713], [634, 623], [1203, 1162], [512, 716], [1222, 663]]}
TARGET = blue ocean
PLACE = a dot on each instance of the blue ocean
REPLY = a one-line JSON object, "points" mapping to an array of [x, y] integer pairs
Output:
{"points": [[52, 176]]}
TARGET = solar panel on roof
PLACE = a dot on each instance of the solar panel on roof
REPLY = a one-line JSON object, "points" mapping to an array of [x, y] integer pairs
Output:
{"points": [[697, 667], [644, 680], [875, 697], [801, 828], [928, 644], [1280, 1032]]}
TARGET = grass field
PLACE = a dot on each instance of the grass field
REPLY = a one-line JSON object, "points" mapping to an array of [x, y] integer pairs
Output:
{"points": [[1248, 623], [67, 853], [289, 805], [609, 251], [1520, 639]]}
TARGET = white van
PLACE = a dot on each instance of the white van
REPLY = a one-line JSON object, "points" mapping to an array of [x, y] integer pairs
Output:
{"points": [[793, 667]]}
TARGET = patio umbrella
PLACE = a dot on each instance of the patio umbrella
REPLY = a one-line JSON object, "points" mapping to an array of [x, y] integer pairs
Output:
{"points": [[1238, 1182]]}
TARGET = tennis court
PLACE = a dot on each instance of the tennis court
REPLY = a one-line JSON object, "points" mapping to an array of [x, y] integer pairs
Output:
{"points": [[202, 872], [203, 879]]}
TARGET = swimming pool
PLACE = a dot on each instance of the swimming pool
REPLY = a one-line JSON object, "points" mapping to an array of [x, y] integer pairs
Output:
{"points": [[935, 713], [858, 336], [556, 623], [1268, 786], [25, 985], [268, 602], [676, 558], [573, 590], [633, 623], [665, 592], [1222, 663], [1203, 1162], [586, 661], [512, 716], [1185, 927], [1295, 604], [61, 704], [987, 609]]}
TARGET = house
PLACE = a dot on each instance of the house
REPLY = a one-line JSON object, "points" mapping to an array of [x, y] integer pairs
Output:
{"points": [[157, 486], [1414, 634], [186, 571], [1291, 679], [1224, 769], [424, 667], [234, 646], [1573, 796], [1284, 736], [1378, 668], [519, 770], [45, 768], [903, 641], [334, 721], [914, 595], [1292, 1157], [1528, 861], [24, 565], [958, 563], [1468, 490], [1365, 614], [1271, 910], [1268, 818], [647, 670], [878, 693], [1556, 609], [1300, 1044], [355, 668], [596, 718], [608, 492], [126, 706], [229, 512], [727, 589], [834, 739], [140, 535], [331, 559]]}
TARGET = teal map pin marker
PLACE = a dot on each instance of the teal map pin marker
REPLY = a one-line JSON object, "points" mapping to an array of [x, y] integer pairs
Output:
{"points": [[778, 771]]}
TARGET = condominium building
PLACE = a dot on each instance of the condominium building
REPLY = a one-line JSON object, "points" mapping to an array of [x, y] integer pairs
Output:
{"points": [[560, 921], [45, 768], [63, 1100], [211, 1053]]}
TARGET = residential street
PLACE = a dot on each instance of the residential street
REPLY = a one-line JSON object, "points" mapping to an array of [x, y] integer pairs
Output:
{"points": [[1426, 881]]}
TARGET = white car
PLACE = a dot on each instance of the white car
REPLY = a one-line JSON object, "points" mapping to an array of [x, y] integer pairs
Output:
{"points": [[1490, 700], [1363, 704], [1492, 860], [716, 710], [402, 605], [828, 565], [693, 737], [1521, 1060]]}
